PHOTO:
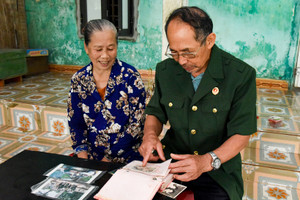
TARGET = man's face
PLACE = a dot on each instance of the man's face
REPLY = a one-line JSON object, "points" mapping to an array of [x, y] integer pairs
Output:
{"points": [[181, 37]]}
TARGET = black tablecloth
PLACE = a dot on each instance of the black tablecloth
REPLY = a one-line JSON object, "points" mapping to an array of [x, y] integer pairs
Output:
{"points": [[25, 169]]}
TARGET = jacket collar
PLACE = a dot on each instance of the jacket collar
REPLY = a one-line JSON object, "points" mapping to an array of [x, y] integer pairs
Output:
{"points": [[184, 80], [213, 75], [215, 66]]}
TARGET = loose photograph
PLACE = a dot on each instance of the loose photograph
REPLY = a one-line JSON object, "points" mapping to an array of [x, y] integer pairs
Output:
{"points": [[61, 189], [76, 174], [173, 190]]}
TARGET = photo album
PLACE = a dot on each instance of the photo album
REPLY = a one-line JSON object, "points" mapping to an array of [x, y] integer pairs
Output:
{"points": [[135, 182]]}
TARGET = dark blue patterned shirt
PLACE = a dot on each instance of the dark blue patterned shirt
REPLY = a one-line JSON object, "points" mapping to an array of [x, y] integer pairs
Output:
{"points": [[113, 127]]}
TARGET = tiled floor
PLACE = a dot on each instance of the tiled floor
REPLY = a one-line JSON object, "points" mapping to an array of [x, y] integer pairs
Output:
{"points": [[33, 116], [271, 168]]}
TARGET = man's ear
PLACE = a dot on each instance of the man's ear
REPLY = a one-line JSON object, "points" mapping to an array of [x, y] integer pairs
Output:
{"points": [[210, 40]]}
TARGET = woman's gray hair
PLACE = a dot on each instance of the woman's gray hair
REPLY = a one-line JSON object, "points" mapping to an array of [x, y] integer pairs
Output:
{"points": [[97, 25]]}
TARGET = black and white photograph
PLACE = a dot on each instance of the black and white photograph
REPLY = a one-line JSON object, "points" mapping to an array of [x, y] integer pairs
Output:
{"points": [[76, 174], [61, 189], [173, 190]]}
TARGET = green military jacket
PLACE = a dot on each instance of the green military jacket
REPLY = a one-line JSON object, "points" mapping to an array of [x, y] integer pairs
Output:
{"points": [[223, 105]]}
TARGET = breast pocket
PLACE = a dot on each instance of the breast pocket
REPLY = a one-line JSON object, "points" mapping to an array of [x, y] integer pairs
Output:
{"points": [[215, 112], [175, 110]]}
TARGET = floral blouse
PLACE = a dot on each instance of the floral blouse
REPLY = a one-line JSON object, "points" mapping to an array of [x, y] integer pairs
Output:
{"points": [[113, 127]]}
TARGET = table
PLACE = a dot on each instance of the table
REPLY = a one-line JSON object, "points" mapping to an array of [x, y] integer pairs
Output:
{"points": [[25, 169]]}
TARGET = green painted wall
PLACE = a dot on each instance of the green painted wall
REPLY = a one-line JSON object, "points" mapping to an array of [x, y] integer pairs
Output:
{"points": [[146, 51], [264, 33], [52, 25]]}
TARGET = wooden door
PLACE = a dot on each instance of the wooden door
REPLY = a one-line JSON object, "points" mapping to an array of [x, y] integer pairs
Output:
{"points": [[13, 28]]}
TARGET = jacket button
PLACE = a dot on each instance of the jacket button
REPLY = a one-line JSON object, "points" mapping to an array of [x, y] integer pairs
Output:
{"points": [[195, 152], [193, 131], [194, 108], [163, 146], [170, 104], [214, 110]]}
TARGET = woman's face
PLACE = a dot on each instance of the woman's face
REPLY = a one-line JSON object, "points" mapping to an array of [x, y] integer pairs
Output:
{"points": [[102, 49]]}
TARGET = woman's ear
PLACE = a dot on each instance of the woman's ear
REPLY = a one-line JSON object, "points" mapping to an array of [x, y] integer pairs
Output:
{"points": [[86, 49], [210, 40]]}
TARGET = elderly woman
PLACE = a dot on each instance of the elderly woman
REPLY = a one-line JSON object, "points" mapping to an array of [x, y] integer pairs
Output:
{"points": [[106, 101]]}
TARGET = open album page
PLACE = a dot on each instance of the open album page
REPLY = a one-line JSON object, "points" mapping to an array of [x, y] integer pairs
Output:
{"points": [[151, 169], [127, 185]]}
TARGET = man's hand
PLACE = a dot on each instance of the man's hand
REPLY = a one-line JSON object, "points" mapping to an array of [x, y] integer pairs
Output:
{"points": [[151, 143], [190, 167]]}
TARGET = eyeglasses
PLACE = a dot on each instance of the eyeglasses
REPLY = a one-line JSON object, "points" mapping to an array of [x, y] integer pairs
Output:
{"points": [[188, 55]]}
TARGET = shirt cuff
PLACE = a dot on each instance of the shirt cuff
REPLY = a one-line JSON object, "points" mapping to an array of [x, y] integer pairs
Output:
{"points": [[80, 148]]}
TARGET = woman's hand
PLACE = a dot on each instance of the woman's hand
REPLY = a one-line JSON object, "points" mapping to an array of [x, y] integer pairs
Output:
{"points": [[105, 160], [82, 154]]}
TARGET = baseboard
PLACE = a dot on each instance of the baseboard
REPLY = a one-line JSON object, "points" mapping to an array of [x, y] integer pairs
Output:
{"points": [[148, 74], [272, 84], [74, 68], [70, 69]]}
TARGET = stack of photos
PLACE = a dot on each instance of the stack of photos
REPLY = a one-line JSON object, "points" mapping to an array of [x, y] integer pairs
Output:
{"points": [[67, 182]]}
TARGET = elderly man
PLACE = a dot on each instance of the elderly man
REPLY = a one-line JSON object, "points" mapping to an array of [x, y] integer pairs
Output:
{"points": [[209, 98]]}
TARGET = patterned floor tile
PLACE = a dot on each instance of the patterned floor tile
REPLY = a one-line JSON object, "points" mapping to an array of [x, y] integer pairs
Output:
{"points": [[279, 101], [263, 183], [16, 131], [293, 102], [31, 86], [36, 98], [56, 89], [30, 146], [273, 150], [23, 115], [264, 109], [2, 115], [55, 120], [4, 142], [9, 92], [288, 125], [59, 102], [53, 136], [270, 92]]}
